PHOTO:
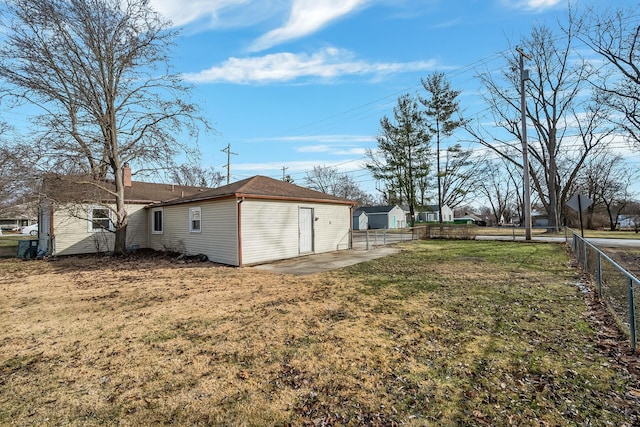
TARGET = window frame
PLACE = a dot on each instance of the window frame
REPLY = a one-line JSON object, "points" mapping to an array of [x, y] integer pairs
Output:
{"points": [[154, 228], [193, 212], [92, 224]]}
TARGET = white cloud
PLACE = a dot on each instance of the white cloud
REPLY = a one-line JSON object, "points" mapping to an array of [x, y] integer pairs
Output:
{"points": [[217, 13], [307, 17], [297, 166], [184, 12], [336, 150], [326, 139], [329, 63], [533, 5]]}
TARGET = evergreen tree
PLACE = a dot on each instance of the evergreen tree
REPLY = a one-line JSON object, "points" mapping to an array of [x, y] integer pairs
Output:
{"points": [[400, 160], [442, 119]]}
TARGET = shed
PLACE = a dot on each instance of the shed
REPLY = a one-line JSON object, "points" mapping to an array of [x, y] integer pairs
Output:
{"points": [[360, 220], [256, 220], [384, 217]]}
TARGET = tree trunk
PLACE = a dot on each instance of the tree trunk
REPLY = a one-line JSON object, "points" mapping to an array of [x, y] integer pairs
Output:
{"points": [[120, 246], [551, 182], [438, 171]]}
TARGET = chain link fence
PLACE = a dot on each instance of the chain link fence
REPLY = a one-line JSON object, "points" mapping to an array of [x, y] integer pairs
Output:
{"points": [[614, 285]]}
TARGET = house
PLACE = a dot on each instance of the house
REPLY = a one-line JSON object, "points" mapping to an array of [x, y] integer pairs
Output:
{"points": [[539, 219], [626, 222], [360, 220], [384, 217], [17, 216], [75, 218], [15, 222], [469, 218], [431, 213], [255, 220]]}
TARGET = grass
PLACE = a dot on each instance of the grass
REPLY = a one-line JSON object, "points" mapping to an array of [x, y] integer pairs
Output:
{"points": [[520, 231], [12, 239], [443, 333]]}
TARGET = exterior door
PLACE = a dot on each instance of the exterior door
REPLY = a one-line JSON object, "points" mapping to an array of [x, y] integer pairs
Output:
{"points": [[305, 230]]}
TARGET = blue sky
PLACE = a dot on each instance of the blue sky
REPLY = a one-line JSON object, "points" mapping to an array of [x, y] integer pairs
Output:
{"points": [[298, 83]]}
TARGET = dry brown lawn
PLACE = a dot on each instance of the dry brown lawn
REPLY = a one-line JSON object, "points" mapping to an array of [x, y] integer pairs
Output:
{"points": [[411, 339]]}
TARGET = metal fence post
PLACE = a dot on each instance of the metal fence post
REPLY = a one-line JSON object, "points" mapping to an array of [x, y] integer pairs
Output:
{"points": [[367, 239], [599, 274], [584, 247], [384, 237], [632, 317]]}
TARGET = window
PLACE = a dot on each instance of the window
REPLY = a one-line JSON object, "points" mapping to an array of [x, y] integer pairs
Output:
{"points": [[194, 220], [156, 221], [100, 219]]}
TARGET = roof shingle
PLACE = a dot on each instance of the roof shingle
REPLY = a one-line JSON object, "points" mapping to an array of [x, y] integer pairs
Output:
{"points": [[261, 187], [77, 188]]}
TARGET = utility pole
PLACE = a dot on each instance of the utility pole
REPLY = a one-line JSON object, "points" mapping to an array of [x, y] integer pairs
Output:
{"points": [[228, 165], [524, 76], [284, 169]]}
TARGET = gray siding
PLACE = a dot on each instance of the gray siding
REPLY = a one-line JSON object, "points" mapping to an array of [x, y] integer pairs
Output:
{"points": [[218, 239]]}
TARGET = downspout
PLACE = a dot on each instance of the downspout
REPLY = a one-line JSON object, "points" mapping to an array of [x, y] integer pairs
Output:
{"points": [[52, 235], [239, 203], [351, 226]]}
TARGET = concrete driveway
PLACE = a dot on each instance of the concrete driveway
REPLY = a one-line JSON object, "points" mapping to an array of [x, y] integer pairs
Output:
{"points": [[319, 263]]}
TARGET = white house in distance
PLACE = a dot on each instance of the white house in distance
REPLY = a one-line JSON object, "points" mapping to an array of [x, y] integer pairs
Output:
{"points": [[255, 220], [431, 213], [383, 217]]}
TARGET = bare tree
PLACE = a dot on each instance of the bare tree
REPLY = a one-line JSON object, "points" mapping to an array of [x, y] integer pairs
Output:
{"points": [[615, 35], [499, 188], [325, 179], [607, 179], [567, 125], [196, 176], [329, 180], [460, 176], [99, 71]]}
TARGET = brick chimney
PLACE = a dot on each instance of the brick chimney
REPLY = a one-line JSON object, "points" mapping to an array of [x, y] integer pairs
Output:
{"points": [[126, 175]]}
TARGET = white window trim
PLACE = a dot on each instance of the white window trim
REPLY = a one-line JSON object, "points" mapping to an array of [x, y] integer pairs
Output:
{"points": [[153, 219], [192, 211], [90, 228]]}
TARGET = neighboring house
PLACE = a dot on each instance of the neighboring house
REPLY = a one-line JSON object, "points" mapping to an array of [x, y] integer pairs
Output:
{"points": [[384, 217], [252, 221], [75, 218], [431, 213], [360, 220], [628, 221], [469, 218], [18, 216], [255, 220], [13, 222], [539, 219]]}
